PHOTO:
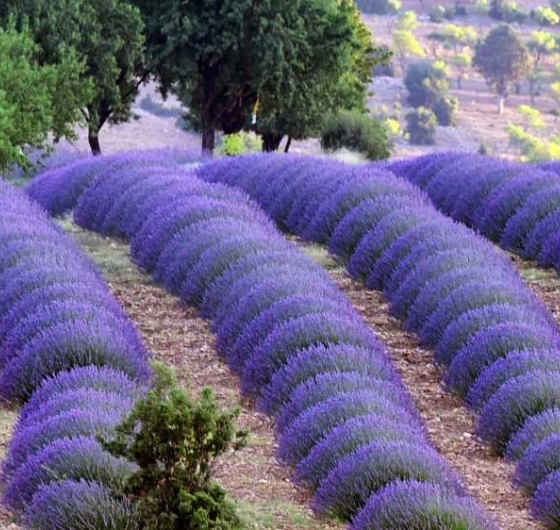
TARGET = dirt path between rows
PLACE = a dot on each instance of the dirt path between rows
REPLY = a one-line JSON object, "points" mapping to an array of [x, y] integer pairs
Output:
{"points": [[179, 337], [450, 425]]}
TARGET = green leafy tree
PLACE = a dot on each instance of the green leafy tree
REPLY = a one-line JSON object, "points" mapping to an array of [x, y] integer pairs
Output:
{"points": [[226, 60], [176, 442], [404, 41], [541, 44], [501, 58], [335, 76], [106, 35], [458, 41], [35, 100]]}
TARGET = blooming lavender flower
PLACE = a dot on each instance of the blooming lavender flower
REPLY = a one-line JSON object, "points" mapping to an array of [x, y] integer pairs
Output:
{"points": [[79, 505], [413, 505], [535, 430], [346, 489]]}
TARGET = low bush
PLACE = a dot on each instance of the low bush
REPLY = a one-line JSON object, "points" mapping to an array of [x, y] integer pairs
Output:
{"points": [[421, 126], [175, 443], [357, 132]]}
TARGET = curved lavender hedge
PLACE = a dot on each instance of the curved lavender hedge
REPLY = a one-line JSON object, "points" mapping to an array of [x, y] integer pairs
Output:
{"points": [[299, 347], [59, 188], [499, 346], [515, 205], [69, 353]]}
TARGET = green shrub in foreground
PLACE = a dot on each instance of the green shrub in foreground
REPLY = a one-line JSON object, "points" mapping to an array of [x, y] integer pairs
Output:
{"points": [[175, 443]]}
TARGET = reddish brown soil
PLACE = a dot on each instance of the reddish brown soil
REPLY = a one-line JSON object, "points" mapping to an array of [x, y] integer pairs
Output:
{"points": [[179, 337], [450, 425]]}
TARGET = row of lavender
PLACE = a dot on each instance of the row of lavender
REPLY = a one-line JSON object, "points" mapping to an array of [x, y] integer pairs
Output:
{"points": [[344, 420], [515, 205], [500, 347], [70, 355]]}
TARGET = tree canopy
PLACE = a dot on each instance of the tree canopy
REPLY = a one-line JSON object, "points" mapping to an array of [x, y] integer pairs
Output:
{"points": [[501, 58], [221, 58], [107, 35], [335, 75], [36, 100]]}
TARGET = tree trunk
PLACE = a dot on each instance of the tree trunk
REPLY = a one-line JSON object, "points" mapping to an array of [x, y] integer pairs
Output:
{"points": [[208, 139], [271, 142], [288, 145], [501, 102], [459, 82], [95, 146]]}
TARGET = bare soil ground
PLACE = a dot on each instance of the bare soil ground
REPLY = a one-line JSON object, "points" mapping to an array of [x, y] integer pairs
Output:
{"points": [[178, 336], [262, 486], [478, 121], [449, 424]]}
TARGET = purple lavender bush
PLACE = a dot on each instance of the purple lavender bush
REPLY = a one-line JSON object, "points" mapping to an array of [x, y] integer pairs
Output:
{"points": [[71, 354], [496, 341], [279, 319]]}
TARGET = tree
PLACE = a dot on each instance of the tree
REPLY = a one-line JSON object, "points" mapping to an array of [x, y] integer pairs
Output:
{"points": [[358, 132], [501, 58], [224, 59], [335, 76], [404, 40], [106, 35], [215, 56], [35, 100], [541, 44], [458, 40]]}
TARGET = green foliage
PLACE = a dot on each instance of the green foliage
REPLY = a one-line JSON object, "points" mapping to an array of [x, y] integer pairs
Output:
{"points": [[440, 13], [445, 110], [428, 87], [406, 45], [546, 16], [532, 117], [335, 74], [425, 84], [455, 37], [541, 44], [532, 147], [379, 7], [35, 100], [239, 144], [220, 58], [501, 58], [175, 443], [105, 34], [458, 41], [421, 126], [357, 132], [506, 11]]}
